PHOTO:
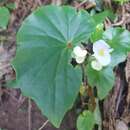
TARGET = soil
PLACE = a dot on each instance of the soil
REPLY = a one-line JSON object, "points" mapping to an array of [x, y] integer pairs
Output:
{"points": [[14, 115]]}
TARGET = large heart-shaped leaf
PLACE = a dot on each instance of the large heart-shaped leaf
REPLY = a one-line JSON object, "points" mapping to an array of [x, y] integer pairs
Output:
{"points": [[119, 40], [42, 62], [103, 80]]}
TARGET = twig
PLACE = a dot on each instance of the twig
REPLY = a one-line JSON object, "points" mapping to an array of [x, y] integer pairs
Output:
{"points": [[39, 2], [107, 4], [45, 123], [122, 21], [56, 2], [29, 114], [120, 89], [119, 23], [92, 5], [81, 4], [107, 23]]}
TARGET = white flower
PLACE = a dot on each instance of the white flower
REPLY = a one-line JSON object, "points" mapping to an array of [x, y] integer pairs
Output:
{"points": [[96, 65], [79, 54], [102, 52], [79, 59]]}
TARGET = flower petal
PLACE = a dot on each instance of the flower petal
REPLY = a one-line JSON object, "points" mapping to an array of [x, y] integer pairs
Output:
{"points": [[100, 44], [96, 65], [78, 51], [104, 60], [80, 60]]}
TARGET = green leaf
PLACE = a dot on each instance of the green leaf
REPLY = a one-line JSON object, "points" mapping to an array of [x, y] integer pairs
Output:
{"points": [[100, 17], [121, 1], [42, 61], [119, 40], [4, 17], [103, 80], [86, 121], [97, 35]]}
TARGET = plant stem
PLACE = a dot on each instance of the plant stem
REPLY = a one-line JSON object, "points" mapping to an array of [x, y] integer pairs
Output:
{"points": [[89, 90]]}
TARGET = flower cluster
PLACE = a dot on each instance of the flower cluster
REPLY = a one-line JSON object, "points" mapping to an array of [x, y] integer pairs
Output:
{"points": [[79, 53], [102, 55]]}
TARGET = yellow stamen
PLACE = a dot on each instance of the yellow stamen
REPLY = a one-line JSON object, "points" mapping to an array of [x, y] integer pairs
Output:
{"points": [[101, 52]]}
